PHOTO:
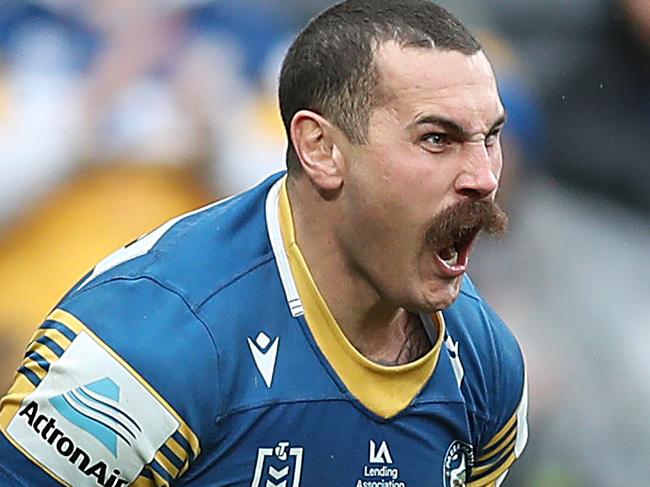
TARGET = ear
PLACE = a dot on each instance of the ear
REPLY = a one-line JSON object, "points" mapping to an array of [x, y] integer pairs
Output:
{"points": [[321, 160]]}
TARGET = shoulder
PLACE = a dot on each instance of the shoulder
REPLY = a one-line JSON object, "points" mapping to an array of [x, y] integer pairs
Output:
{"points": [[145, 301], [493, 383], [197, 254]]}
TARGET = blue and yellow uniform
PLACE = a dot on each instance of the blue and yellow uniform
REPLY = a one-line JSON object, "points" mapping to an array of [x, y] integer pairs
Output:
{"points": [[204, 355]]}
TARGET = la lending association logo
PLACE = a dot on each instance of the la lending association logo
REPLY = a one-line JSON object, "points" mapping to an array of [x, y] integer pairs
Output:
{"points": [[379, 471]]}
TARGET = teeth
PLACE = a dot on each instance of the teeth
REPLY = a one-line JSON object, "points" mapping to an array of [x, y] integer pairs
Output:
{"points": [[449, 255]]}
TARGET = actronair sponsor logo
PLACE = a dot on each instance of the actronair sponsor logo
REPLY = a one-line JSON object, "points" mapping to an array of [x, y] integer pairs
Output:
{"points": [[48, 429], [95, 408], [91, 421]]}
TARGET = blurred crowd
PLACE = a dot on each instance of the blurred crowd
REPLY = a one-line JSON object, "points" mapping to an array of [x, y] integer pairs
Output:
{"points": [[116, 115]]}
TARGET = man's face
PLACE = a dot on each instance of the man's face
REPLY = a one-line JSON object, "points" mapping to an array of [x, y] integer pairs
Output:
{"points": [[417, 192]]}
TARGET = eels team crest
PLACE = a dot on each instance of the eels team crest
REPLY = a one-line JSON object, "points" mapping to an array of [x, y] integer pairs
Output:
{"points": [[457, 464]]}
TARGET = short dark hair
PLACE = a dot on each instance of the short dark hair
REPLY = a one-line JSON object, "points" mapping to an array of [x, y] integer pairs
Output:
{"points": [[330, 67]]}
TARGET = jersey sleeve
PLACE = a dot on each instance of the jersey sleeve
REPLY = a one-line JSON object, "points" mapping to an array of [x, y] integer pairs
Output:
{"points": [[505, 433], [118, 387]]}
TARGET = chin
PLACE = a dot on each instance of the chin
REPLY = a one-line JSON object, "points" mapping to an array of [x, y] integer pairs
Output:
{"points": [[441, 295]]}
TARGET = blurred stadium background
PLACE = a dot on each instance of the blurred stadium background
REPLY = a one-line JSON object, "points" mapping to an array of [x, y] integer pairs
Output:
{"points": [[116, 115]]}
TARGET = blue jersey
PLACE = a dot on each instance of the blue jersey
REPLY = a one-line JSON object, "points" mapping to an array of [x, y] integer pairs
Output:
{"points": [[204, 355]]}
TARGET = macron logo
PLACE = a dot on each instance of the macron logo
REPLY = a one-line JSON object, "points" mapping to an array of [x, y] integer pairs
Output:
{"points": [[264, 353], [95, 409], [452, 348]]}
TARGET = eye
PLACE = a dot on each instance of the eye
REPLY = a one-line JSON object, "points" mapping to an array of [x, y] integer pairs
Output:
{"points": [[436, 141], [437, 138], [493, 137]]}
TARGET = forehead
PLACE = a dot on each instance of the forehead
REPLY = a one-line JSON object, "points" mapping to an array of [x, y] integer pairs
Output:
{"points": [[416, 81]]}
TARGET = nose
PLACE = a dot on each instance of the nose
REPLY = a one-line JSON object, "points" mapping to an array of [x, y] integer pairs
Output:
{"points": [[479, 177]]}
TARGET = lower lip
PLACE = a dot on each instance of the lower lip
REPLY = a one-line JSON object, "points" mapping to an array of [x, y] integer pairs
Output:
{"points": [[456, 270]]}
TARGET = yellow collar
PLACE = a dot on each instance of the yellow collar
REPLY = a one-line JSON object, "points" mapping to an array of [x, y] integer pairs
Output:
{"points": [[384, 390]]}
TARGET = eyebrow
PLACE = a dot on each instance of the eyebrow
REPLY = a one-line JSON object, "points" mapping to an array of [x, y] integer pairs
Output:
{"points": [[453, 127]]}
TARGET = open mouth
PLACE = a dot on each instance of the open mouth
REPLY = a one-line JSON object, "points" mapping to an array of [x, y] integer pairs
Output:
{"points": [[453, 232], [452, 258]]}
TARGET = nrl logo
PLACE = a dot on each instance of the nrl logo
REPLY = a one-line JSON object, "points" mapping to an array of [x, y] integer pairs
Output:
{"points": [[278, 467], [457, 464]]}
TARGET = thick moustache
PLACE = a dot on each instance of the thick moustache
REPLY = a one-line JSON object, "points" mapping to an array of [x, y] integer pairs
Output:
{"points": [[464, 221], [453, 233]]}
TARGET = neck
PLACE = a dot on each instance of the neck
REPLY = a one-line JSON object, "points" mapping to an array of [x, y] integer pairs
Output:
{"points": [[380, 330]]}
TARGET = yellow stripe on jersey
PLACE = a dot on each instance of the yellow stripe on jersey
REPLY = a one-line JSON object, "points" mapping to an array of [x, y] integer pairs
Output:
{"points": [[185, 431], [34, 367], [53, 334], [179, 451], [22, 386], [44, 351], [173, 445], [10, 404], [502, 432], [143, 481], [493, 452], [496, 457], [159, 481], [166, 463], [478, 471], [493, 476]]}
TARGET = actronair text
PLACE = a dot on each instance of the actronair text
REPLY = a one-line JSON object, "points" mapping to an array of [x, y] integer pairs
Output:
{"points": [[46, 428]]}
